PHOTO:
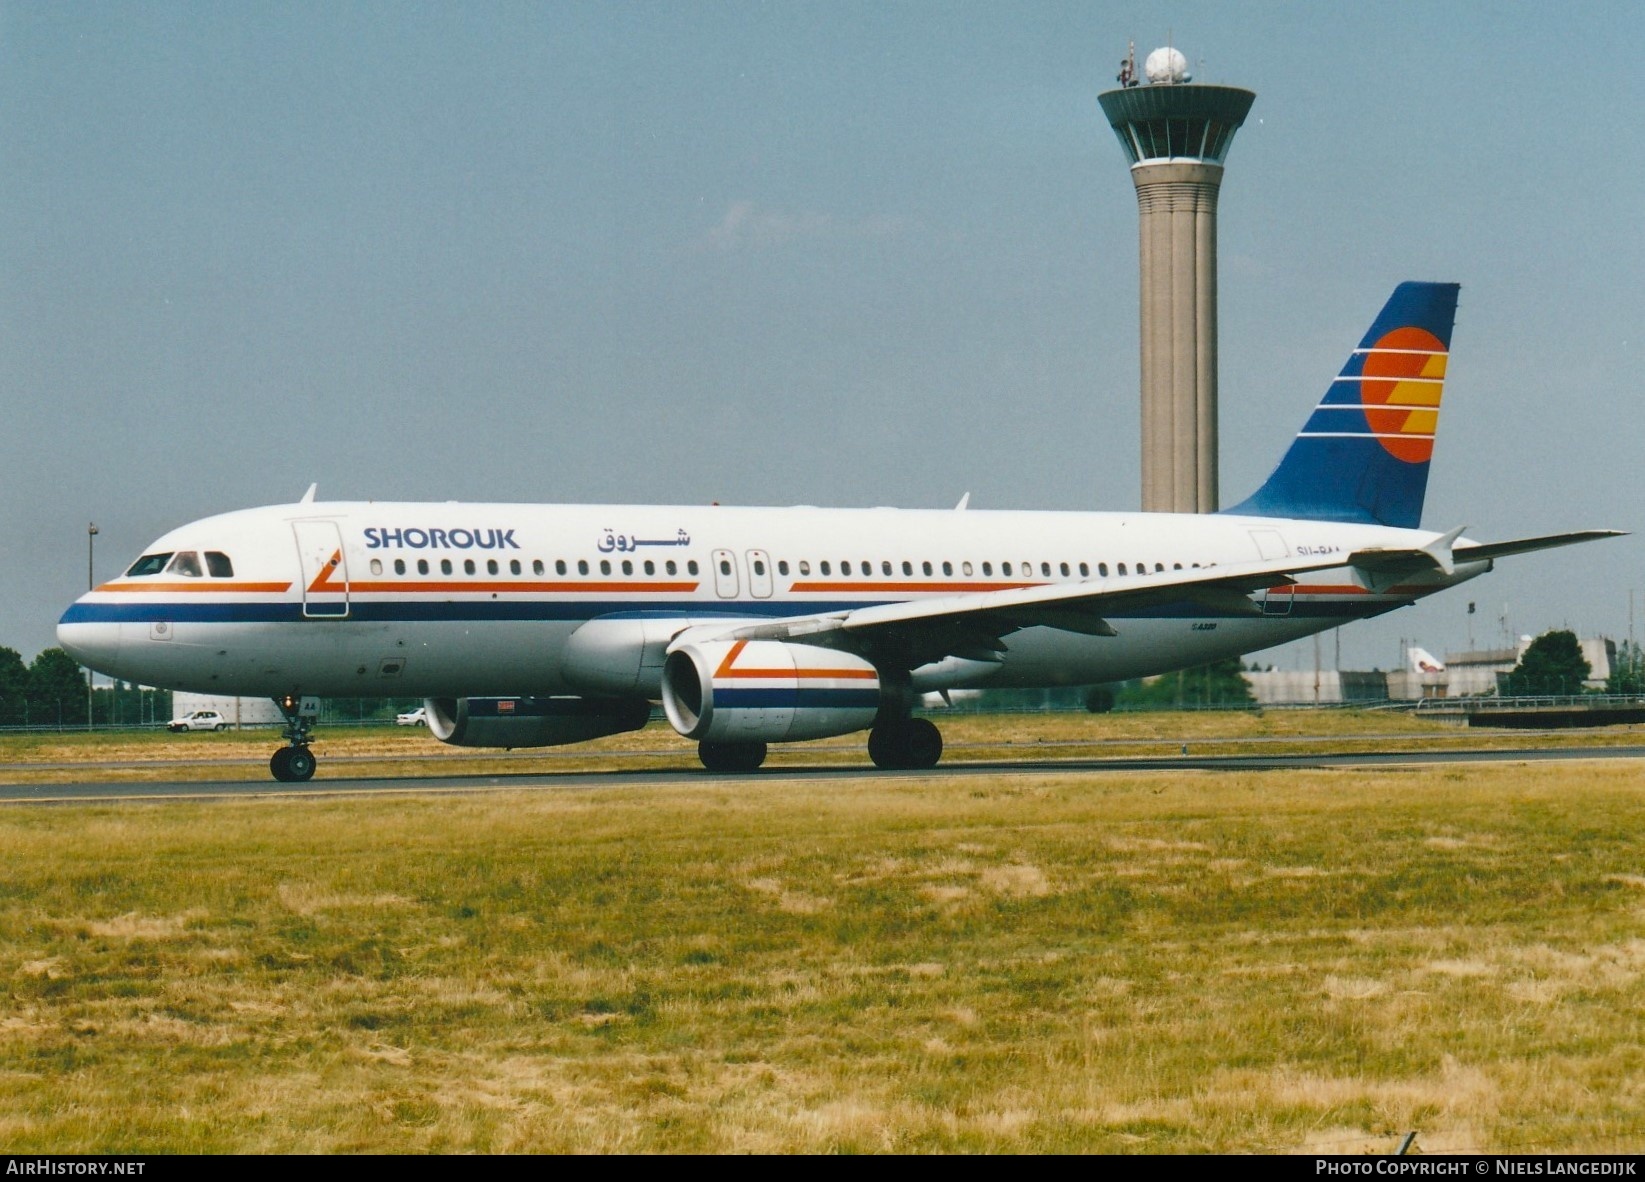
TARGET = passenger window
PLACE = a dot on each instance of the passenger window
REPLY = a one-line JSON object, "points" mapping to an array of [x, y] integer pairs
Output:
{"points": [[908, 568], [1159, 568], [468, 566], [148, 564], [445, 566], [988, 568], [725, 566], [1045, 569], [650, 567], [1085, 570], [948, 568], [422, 566], [605, 566], [1176, 566], [376, 566], [628, 566], [399, 566], [926, 567], [1064, 569], [759, 567], [691, 566], [805, 566], [885, 567], [513, 566], [670, 567], [1005, 568], [965, 568], [582, 566], [186, 564], [782, 566], [559, 566], [491, 566], [1121, 568], [218, 565], [1102, 569], [823, 567], [845, 567]]}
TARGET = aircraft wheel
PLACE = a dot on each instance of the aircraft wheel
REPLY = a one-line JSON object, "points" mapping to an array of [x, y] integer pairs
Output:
{"points": [[922, 743], [279, 764], [910, 745], [885, 748], [731, 757], [300, 764]]}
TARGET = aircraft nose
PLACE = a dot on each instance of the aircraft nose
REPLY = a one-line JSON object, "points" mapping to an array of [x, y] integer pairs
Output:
{"points": [[91, 642]]}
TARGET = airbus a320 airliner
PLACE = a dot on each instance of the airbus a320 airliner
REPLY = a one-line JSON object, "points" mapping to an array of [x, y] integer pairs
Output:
{"points": [[536, 625]]}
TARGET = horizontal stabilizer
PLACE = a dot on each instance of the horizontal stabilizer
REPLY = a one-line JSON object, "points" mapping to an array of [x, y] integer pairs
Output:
{"points": [[1491, 550]]}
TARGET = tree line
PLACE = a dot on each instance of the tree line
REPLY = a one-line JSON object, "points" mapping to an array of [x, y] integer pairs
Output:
{"points": [[51, 691]]}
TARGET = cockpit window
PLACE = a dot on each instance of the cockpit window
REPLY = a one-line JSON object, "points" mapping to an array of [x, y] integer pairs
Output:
{"points": [[148, 564], [187, 564], [218, 564]]}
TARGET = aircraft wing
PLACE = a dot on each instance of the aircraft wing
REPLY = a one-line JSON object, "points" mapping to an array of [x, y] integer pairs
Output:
{"points": [[918, 631]]}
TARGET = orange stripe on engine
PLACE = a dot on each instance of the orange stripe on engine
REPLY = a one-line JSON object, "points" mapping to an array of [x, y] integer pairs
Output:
{"points": [[726, 670]]}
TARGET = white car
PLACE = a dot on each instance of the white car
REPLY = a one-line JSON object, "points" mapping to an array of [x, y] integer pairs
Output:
{"points": [[198, 720], [417, 717]]}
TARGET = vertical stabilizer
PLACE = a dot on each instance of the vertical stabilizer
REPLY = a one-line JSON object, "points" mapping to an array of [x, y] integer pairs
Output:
{"points": [[1363, 454]]}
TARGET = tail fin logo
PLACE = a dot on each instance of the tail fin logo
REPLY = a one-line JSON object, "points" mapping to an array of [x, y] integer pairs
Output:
{"points": [[1401, 381], [1364, 453]]}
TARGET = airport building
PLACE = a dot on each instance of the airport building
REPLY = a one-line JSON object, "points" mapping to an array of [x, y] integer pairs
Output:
{"points": [[1176, 134], [1470, 674]]}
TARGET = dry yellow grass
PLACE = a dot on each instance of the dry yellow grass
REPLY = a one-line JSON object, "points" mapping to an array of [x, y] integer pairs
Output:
{"points": [[1306, 961]]}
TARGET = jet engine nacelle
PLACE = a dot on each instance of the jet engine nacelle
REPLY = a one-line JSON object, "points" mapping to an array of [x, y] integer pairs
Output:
{"points": [[531, 722], [767, 691]]}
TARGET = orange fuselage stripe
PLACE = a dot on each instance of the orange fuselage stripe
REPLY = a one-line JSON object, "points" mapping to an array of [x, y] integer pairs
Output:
{"points": [[206, 586]]}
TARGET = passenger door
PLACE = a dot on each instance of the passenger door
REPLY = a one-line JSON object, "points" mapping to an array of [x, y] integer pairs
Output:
{"points": [[325, 569], [725, 574], [759, 574]]}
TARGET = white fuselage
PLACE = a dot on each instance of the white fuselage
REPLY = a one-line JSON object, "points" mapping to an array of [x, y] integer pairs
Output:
{"points": [[452, 600]]}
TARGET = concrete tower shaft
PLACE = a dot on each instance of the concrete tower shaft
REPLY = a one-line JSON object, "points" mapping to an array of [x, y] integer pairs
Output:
{"points": [[1177, 136]]}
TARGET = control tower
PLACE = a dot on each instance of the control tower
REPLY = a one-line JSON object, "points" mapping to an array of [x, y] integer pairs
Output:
{"points": [[1176, 134]]}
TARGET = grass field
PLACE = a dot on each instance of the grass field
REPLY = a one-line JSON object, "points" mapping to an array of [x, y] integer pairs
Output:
{"points": [[1199, 962], [46, 757]]}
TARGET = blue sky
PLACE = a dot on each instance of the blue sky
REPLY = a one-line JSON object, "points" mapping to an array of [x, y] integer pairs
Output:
{"points": [[830, 253]]}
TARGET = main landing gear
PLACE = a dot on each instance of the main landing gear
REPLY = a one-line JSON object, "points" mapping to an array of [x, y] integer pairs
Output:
{"points": [[295, 764], [731, 757], [905, 744]]}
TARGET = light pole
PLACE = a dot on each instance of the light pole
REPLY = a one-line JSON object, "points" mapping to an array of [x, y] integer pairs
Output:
{"points": [[91, 583]]}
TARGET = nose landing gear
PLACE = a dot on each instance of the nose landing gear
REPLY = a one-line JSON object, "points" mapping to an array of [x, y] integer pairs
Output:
{"points": [[295, 764]]}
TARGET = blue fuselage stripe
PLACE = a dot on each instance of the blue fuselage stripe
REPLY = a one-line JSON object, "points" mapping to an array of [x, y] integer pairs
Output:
{"points": [[576, 611]]}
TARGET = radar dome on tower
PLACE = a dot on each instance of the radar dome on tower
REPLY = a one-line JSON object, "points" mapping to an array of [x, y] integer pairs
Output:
{"points": [[1166, 65]]}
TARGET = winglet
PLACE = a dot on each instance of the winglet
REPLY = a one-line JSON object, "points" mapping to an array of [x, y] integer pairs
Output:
{"points": [[1396, 561], [1440, 550]]}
